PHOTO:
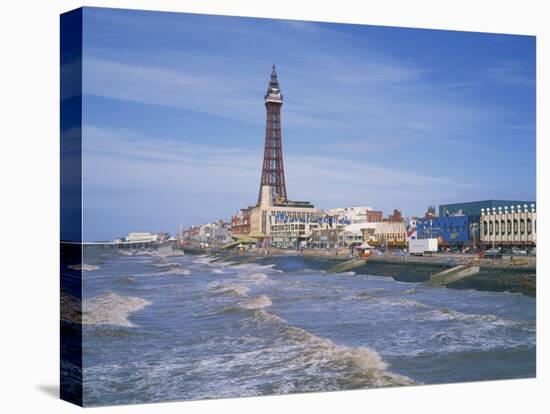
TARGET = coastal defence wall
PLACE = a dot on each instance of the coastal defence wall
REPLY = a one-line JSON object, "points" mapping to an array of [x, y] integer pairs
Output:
{"points": [[489, 278]]}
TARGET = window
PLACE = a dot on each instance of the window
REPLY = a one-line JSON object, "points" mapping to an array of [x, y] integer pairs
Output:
{"points": [[522, 226], [491, 227], [529, 226], [509, 227], [515, 226], [496, 228]]}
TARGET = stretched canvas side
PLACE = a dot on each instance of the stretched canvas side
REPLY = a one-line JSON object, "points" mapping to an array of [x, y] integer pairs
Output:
{"points": [[71, 207]]}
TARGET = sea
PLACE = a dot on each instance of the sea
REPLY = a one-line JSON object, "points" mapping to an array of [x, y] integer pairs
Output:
{"points": [[162, 326]]}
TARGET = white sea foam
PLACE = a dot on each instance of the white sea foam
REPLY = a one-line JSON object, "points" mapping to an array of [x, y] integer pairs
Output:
{"points": [[445, 314], [167, 264], [255, 277], [203, 259], [176, 271], [260, 302], [111, 309], [127, 253], [230, 289], [255, 267], [328, 362], [84, 267], [70, 308]]}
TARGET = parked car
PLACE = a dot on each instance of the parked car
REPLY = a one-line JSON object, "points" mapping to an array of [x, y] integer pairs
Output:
{"points": [[492, 254], [519, 252]]}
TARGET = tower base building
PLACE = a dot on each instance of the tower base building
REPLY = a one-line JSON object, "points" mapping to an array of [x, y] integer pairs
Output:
{"points": [[284, 223]]}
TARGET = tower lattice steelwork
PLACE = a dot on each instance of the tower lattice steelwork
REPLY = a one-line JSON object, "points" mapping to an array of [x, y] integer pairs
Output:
{"points": [[273, 172]]}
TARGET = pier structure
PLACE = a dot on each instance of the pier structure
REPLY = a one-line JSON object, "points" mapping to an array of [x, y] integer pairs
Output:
{"points": [[116, 244]]}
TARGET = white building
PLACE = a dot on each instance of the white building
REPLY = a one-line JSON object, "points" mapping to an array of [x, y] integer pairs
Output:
{"points": [[509, 226], [353, 214], [283, 224], [358, 233], [392, 232]]}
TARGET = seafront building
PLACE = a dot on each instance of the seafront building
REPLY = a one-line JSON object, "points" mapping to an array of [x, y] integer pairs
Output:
{"points": [[509, 226], [459, 224], [240, 222], [277, 221], [451, 230], [391, 233], [352, 214]]}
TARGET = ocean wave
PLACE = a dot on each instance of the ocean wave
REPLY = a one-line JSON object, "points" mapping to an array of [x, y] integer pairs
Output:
{"points": [[445, 314], [260, 302], [203, 259], [334, 366], [70, 308], [253, 267], [126, 279], [404, 303], [167, 264], [111, 309], [230, 289], [173, 253], [176, 271], [127, 253], [255, 277], [84, 267]]}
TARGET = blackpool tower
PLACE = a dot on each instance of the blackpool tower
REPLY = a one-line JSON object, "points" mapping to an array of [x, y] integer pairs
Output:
{"points": [[273, 172]]}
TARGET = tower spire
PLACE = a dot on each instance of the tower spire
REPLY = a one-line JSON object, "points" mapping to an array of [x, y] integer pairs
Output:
{"points": [[273, 173]]}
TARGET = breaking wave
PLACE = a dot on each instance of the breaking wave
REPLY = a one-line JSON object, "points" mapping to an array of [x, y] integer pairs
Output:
{"points": [[111, 309], [445, 314], [252, 267], [255, 277], [260, 302], [230, 289], [167, 264], [176, 271], [70, 308], [84, 267], [127, 253], [331, 365]]}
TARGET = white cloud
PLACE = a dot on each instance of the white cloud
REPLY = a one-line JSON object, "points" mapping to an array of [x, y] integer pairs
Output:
{"points": [[514, 72], [118, 163]]}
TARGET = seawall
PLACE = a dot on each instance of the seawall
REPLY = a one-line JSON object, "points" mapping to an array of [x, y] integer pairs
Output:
{"points": [[490, 278]]}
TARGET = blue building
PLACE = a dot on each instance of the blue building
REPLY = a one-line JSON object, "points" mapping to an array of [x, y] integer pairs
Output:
{"points": [[458, 223], [472, 209], [452, 229]]}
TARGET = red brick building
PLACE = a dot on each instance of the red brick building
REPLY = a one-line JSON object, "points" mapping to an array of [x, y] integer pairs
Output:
{"points": [[395, 217], [374, 216], [240, 222]]}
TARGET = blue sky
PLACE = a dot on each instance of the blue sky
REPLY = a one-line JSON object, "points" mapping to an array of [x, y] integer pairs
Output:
{"points": [[386, 117]]}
